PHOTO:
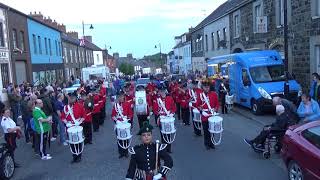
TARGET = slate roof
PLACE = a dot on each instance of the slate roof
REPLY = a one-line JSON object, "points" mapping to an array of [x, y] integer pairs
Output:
{"points": [[92, 46], [220, 12], [69, 39]]}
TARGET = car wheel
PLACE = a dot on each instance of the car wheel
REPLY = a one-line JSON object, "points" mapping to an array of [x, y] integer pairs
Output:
{"points": [[295, 171], [7, 166], [255, 108]]}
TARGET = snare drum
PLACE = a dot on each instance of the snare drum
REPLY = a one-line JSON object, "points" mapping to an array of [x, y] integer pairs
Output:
{"points": [[215, 127], [141, 102], [75, 134], [168, 129], [229, 101], [124, 135], [167, 125], [196, 118]]}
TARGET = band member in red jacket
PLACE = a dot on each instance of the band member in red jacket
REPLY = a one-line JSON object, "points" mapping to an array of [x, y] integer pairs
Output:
{"points": [[96, 111], [73, 114], [121, 110], [87, 103], [195, 92], [151, 87], [170, 109], [129, 95], [177, 95], [184, 103], [103, 99], [209, 105]]}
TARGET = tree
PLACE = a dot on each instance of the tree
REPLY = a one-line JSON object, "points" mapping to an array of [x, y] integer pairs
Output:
{"points": [[127, 69]]}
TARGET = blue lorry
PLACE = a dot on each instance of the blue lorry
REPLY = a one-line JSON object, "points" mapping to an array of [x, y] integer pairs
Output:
{"points": [[255, 78]]}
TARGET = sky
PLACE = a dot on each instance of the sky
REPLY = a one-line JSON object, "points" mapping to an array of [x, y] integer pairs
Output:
{"points": [[128, 26]]}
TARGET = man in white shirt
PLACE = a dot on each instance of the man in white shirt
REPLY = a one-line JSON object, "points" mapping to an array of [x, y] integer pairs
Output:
{"points": [[11, 131]]}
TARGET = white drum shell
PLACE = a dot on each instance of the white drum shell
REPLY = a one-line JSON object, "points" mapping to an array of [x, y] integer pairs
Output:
{"points": [[141, 102], [75, 134], [123, 130], [167, 125], [215, 124], [229, 99], [196, 115]]}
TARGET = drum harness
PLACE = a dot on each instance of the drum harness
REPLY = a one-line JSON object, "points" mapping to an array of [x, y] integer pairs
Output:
{"points": [[119, 110], [70, 113], [163, 107], [206, 100]]}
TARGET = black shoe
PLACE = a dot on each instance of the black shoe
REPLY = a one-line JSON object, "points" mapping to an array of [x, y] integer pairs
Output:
{"points": [[73, 161], [120, 156], [90, 142], [212, 147], [208, 147], [127, 155], [249, 142], [16, 165], [78, 160]]}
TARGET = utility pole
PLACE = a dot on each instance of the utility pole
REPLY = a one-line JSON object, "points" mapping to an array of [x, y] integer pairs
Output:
{"points": [[286, 88]]}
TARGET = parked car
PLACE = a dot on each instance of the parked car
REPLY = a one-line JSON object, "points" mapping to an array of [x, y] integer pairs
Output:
{"points": [[72, 88], [142, 82], [6, 163], [301, 151]]}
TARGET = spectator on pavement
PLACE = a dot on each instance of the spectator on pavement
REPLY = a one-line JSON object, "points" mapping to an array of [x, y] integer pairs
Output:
{"points": [[26, 117], [11, 132], [308, 109], [59, 109], [313, 83], [315, 88], [15, 100], [43, 126]]}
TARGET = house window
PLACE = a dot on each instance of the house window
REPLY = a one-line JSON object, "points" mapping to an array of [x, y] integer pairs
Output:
{"points": [[39, 44], [50, 49], [46, 45], [60, 45], [218, 39], [5, 74], [236, 26], [34, 39], [1, 35], [317, 56], [21, 39], [257, 12], [66, 55], [71, 55], [212, 41], [207, 43], [279, 12], [225, 34], [14, 39], [56, 43]]}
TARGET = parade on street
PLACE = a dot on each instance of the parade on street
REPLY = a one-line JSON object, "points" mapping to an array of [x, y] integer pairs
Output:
{"points": [[224, 89]]}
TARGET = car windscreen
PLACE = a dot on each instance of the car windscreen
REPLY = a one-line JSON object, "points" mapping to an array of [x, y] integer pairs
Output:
{"points": [[143, 81], [263, 74], [312, 135]]}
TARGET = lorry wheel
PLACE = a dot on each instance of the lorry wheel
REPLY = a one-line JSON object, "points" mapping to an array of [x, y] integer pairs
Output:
{"points": [[7, 167], [255, 108]]}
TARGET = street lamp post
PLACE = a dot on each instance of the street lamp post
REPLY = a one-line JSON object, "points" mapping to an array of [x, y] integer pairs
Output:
{"points": [[159, 45], [85, 52], [286, 87]]}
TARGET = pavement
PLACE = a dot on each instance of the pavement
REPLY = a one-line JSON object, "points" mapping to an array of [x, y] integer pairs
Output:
{"points": [[231, 160]]}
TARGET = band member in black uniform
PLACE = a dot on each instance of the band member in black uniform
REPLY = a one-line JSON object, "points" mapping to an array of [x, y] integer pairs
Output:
{"points": [[223, 91], [145, 158]]}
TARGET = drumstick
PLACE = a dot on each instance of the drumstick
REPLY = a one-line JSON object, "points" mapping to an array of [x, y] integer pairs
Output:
{"points": [[157, 154]]}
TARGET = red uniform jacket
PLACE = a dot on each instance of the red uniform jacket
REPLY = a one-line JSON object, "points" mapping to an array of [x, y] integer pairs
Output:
{"points": [[185, 99], [103, 93], [88, 112], [126, 111], [129, 98], [97, 107], [214, 103], [197, 104], [150, 87], [78, 112], [169, 104]]}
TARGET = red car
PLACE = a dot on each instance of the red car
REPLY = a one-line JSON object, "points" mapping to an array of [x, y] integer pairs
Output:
{"points": [[301, 151]]}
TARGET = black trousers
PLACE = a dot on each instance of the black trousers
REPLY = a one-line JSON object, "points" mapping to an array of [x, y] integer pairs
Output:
{"points": [[185, 115], [224, 109], [207, 135], [75, 147], [261, 138], [195, 130], [11, 142], [168, 148], [95, 121], [178, 111], [43, 140], [142, 119], [156, 117], [121, 151], [102, 115], [87, 131]]}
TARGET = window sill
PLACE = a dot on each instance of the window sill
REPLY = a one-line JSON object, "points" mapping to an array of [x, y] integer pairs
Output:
{"points": [[315, 17], [280, 26], [236, 37]]}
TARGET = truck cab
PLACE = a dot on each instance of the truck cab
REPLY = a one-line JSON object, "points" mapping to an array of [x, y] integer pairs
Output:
{"points": [[256, 77]]}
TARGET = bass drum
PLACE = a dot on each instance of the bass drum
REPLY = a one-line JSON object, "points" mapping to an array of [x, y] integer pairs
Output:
{"points": [[141, 102]]}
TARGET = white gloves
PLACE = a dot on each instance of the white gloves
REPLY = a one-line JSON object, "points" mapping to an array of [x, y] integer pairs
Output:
{"points": [[157, 177], [205, 114], [148, 117], [190, 104], [151, 113], [77, 123], [89, 104], [68, 125], [171, 115]]}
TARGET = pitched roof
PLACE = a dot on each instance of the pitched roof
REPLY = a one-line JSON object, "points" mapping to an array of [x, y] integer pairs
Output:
{"points": [[69, 39], [92, 46], [222, 10]]}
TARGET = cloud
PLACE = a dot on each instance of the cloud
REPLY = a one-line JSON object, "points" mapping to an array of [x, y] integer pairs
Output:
{"points": [[114, 11]]}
